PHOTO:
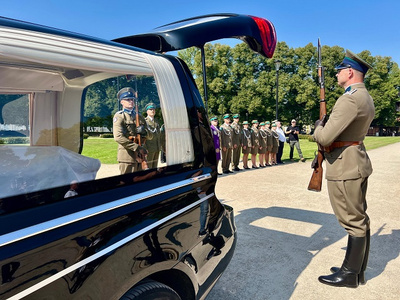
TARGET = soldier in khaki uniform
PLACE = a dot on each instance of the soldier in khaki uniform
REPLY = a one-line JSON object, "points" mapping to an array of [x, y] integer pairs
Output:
{"points": [[255, 142], [263, 145], [153, 146], [269, 143], [130, 154], [237, 132], [246, 143], [226, 144], [348, 167]]}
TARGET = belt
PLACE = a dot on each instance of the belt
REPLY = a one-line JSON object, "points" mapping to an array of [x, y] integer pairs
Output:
{"points": [[335, 145]]}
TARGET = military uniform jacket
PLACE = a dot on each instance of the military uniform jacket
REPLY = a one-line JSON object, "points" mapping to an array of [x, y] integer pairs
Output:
{"points": [[349, 121], [246, 137], [263, 138], [226, 135], [153, 126], [255, 135], [269, 137], [236, 133], [124, 126]]}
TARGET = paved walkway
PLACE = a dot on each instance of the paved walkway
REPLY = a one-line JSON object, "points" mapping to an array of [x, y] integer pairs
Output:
{"points": [[288, 236]]}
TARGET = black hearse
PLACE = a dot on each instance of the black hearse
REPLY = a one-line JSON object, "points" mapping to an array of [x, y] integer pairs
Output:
{"points": [[72, 227]]}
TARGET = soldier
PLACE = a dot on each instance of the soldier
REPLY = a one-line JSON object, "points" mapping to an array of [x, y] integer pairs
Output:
{"points": [[246, 143], [216, 138], [263, 145], [130, 154], [269, 143], [255, 142], [237, 132], [226, 144], [153, 146], [275, 144], [348, 167]]}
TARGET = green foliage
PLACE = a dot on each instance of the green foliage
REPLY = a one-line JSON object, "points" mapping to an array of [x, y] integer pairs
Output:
{"points": [[241, 81], [106, 136], [85, 136], [15, 140]]}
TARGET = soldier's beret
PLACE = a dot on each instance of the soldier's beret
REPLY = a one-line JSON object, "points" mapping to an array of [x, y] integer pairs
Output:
{"points": [[227, 116], [150, 106], [236, 116], [245, 123], [267, 122], [213, 118], [126, 93], [273, 125], [254, 122], [353, 61], [262, 124]]}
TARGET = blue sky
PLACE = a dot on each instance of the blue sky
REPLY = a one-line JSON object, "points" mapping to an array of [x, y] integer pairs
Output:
{"points": [[356, 25]]}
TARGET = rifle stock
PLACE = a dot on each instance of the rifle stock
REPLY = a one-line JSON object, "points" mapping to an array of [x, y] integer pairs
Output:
{"points": [[316, 178], [138, 138]]}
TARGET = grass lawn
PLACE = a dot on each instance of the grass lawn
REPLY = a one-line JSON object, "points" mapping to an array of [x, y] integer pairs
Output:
{"points": [[106, 149]]}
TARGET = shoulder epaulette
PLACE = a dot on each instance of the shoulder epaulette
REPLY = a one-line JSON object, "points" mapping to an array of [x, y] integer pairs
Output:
{"points": [[351, 92]]}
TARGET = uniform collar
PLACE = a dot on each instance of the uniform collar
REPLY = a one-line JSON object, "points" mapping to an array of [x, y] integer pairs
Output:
{"points": [[128, 111]]}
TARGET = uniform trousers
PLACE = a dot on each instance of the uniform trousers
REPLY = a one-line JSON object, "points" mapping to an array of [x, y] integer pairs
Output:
{"points": [[226, 159], [236, 156], [152, 159], [126, 168], [280, 152], [348, 200]]}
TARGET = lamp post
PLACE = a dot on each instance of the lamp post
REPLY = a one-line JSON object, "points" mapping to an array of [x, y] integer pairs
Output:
{"points": [[277, 65]]}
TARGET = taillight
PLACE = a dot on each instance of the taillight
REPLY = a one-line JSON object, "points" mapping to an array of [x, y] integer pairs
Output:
{"points": [[268, 35]]}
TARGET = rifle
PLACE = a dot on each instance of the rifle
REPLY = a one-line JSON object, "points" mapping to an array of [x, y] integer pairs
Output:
{"points": [[316, 178], [138, 138]]}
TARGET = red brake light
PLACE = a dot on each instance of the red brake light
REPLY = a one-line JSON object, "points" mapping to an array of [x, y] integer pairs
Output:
{"points": [[268, 35]]}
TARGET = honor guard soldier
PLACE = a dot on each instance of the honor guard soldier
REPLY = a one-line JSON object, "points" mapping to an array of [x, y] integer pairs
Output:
{"points": [[246, 143], [348, 167], [226, 144], [263, 144], [269, 143], [275, 144], [237, 132], [152, 146], [255, 142], [216, 138], [130, 154]]}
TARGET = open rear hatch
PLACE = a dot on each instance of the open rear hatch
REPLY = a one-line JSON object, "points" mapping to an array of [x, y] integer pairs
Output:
{"points": [[258, 33]]}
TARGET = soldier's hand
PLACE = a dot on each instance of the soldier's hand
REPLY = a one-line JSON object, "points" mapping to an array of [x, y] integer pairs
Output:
{"points": [[320, 122], [141, 130], [141, 152]]}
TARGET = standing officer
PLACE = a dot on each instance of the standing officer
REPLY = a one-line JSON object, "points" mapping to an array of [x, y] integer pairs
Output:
{"points": [[226, 144], [246, 144], [236, 142], [348, 167], [268, 160], [153, 146], [130, 154], [282, 140], [255, 142]]}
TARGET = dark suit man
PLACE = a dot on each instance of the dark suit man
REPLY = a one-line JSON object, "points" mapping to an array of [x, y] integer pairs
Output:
{"points": [[348, 167]]}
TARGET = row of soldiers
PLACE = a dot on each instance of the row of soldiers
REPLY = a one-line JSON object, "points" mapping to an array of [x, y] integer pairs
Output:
{"points": [[231, 139]]}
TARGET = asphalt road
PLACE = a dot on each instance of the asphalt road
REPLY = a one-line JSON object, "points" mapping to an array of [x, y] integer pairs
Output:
{"points": [[288, 236]]}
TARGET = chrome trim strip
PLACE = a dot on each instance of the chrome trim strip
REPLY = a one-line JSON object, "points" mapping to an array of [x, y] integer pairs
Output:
{"points": [[27, 232], [105, 251]]}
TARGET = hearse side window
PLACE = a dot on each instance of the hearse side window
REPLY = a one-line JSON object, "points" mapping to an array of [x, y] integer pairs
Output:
{"points": [[99, 113]]}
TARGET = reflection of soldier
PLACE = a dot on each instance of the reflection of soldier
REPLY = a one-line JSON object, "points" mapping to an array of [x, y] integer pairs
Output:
{"points": [[226, 144], [125, 130], [236, 142], [153, 146]]}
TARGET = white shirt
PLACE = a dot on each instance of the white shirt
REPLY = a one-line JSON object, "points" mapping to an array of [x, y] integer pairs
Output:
{"points": [[281, 134]]}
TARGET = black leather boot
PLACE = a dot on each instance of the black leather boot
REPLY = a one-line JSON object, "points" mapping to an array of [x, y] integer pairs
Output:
{"points": [[361, 276], [348, 274]]}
